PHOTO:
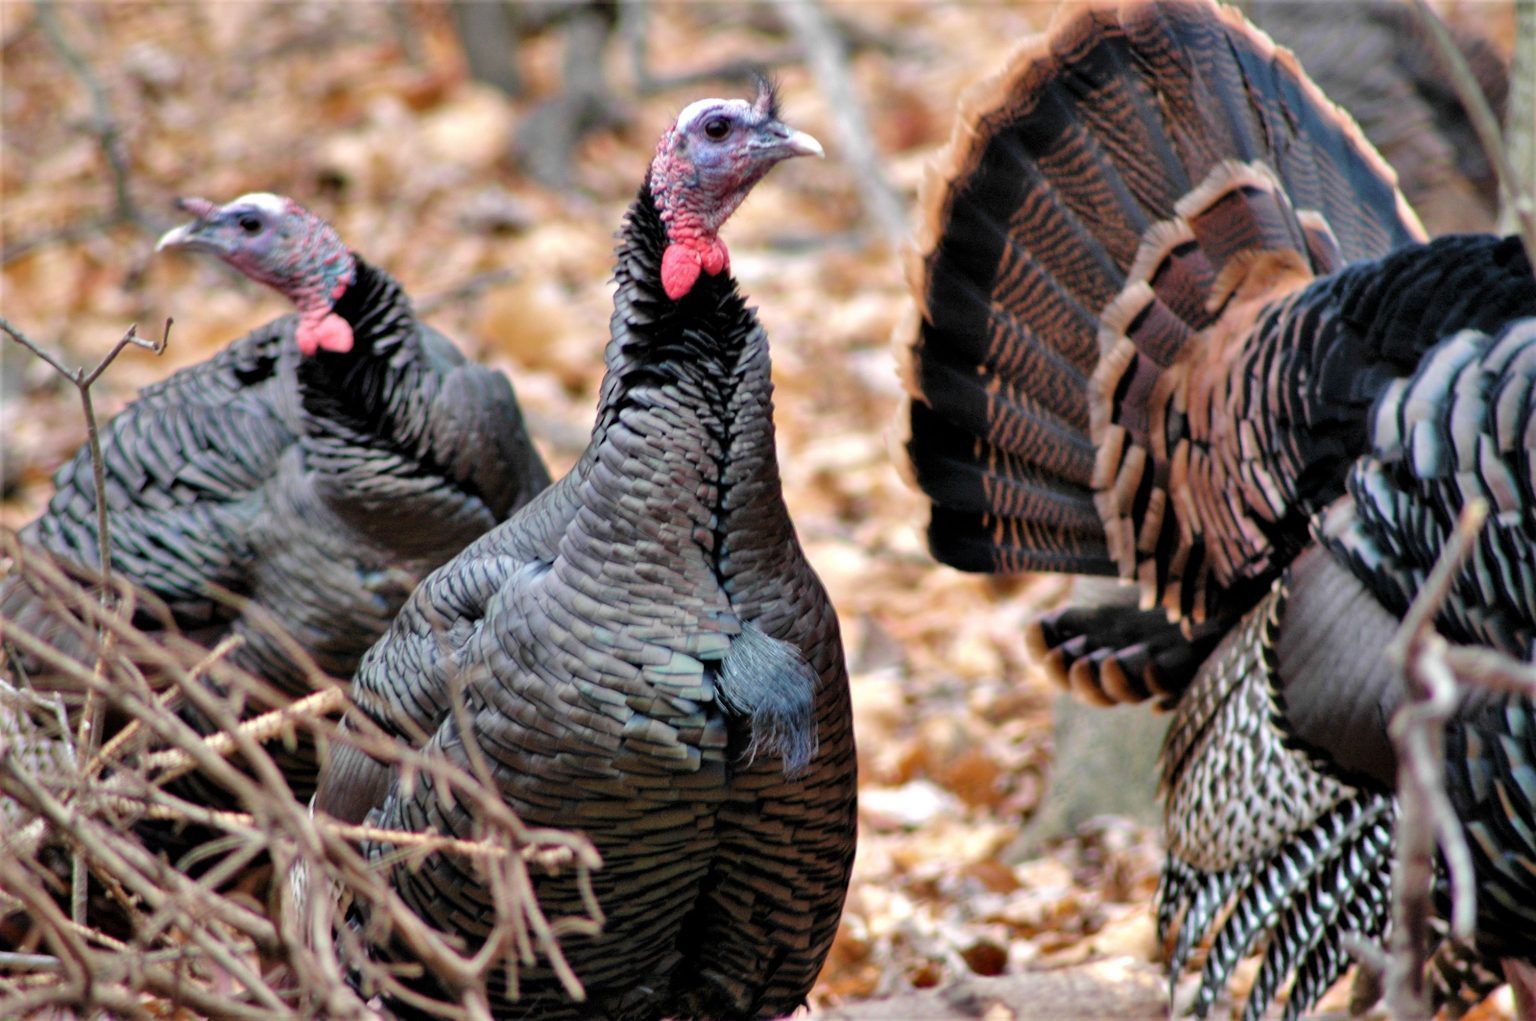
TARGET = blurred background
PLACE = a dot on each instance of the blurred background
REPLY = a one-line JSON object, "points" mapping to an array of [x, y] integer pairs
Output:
{"points": [[484, 153]]}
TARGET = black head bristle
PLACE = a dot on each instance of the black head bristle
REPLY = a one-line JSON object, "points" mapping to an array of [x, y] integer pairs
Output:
{"points": [[767, 102]]}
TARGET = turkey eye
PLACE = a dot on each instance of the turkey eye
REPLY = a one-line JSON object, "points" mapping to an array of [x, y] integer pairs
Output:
{"points": [[717, 128], [250, 224]]}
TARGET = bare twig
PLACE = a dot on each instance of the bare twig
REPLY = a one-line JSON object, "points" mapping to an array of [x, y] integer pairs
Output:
{"points": [[1491, 671], [173, 762], [104, 127], [82, 381], [1518, 194], [829, 62], [90, 719], [1520, 113], [1425, 817], [110, 751]]}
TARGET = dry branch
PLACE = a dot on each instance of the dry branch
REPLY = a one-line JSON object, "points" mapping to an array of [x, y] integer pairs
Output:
{"points": [[216, 932], [82, 381], [90, 718], [194, 940]]}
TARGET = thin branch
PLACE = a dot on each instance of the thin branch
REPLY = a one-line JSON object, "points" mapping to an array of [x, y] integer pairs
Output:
{"points": [[828, 58], [90, 719], [1425, 817], [173, 762], [104, 127], [82, 381], [1518, 195], [114, 748]]}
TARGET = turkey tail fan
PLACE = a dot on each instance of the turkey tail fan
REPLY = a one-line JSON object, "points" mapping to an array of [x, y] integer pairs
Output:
{"points": [[1121, 196]]}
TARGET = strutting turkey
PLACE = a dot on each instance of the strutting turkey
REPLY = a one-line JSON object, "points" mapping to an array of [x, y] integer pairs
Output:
{"points": [[315, 469], [644, 653], [1175, 322]]}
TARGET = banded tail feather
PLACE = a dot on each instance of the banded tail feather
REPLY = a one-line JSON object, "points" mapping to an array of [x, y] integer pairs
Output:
{"points": [[1109, 655]]}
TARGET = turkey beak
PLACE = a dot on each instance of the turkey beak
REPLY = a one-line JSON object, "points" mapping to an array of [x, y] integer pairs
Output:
{"points": [[198, 236], [189, 237], [781, 142], [801, 144], [176, 237]]}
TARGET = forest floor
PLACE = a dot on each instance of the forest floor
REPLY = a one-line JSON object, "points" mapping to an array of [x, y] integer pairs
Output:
{"points": [[365, 113]]}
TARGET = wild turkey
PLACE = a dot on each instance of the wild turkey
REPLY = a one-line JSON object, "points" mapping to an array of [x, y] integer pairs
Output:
{"points": [[315, 469], [644, 653], [1175, 322]]}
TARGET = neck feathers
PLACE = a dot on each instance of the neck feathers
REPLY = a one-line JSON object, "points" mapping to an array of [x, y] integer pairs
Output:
{"points": [[706, 335], [377, 310], [362, 386], [710, 318]]}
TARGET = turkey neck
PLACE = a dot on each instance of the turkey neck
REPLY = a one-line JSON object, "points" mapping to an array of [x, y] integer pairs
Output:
{"points": [[363, 387], [699, 365]]}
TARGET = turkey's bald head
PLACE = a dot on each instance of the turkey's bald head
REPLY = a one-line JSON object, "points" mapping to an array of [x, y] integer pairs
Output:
{"points": [[704, 166], [273, 239]]}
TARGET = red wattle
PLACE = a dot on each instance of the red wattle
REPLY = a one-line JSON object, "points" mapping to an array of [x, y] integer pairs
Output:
{"points": [[682, 262], [715, 258], [332, 333], [680, 266]]}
